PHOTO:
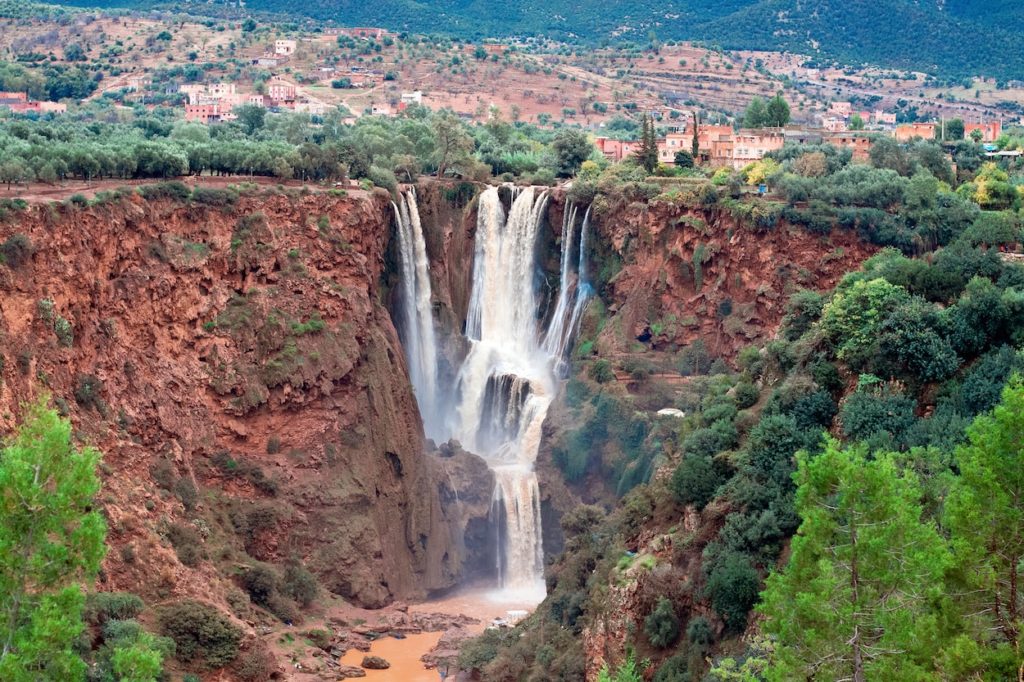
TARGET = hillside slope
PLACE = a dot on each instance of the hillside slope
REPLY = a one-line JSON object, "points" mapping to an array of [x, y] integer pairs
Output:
{"points": [[964, 37]]}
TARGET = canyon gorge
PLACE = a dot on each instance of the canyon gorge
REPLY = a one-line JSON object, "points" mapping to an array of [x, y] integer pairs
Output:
{"points": [[362, 384]]}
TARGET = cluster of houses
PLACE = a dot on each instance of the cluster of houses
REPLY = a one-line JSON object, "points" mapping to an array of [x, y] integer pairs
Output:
{"points": [[19, 103], [720, 145], [209, 103]]}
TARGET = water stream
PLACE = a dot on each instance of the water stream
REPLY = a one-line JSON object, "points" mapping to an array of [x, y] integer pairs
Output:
{"points": [[511, 372]]}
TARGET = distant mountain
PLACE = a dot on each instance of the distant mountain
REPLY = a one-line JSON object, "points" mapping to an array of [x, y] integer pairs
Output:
{"points": [[951, 37]]}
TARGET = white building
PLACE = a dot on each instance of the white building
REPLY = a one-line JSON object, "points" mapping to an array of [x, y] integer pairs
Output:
{"points": [[415, 97], [284, 47]]}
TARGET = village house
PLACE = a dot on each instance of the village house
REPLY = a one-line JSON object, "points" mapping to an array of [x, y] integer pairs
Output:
{"points": [[908, 131], [882, 118], [673, 143], [616, 150], [284, 47], [859, 143], [281, 94], [990, 131], [751, 145], [270, 61], [414, 97], [834, 124], [19, 103], [840, 109], [203, 113], [380, 110]]}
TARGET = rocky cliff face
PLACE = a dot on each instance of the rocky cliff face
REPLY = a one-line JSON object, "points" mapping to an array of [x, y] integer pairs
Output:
{"points": [[235, 366], [675, 274]]}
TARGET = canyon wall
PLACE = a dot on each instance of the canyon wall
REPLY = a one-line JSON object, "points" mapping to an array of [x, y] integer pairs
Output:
{"points": [[240, 351]]}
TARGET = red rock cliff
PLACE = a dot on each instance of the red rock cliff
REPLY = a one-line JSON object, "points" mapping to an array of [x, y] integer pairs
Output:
{"points": [[241, 348]]}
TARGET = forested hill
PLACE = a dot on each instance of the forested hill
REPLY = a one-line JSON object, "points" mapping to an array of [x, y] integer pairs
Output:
{"points": [[953, 37]]}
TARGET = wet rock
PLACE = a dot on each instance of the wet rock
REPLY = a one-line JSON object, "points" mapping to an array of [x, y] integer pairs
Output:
{"points": [[346, 671], [375, 663]]}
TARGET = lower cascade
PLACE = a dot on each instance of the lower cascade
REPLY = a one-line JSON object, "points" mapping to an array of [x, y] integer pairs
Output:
{"points": [[510, 375]]}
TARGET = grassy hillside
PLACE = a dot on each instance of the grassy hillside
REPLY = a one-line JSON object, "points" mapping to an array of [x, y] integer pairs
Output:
{"points": [[961, 37]]}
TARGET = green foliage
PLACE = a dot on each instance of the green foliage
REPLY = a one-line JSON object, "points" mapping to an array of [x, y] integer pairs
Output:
{"points": [[985, 511], [101, 607], [853, 318], [662, 624], [571, 148], [628, 671], [857, 597], [733, 586], [881, 417], [47, 512], [601, 371], [695, 481], [200, 632]]}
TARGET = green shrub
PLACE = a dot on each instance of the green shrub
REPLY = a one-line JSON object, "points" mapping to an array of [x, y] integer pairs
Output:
{"points": [[210, 196], [674, 669], [200, 633], [15, 250], [699, 632], [88, 388], [746, 395], [299, 584], [64, 331], [186, 491], [255, 665], [662, 625], [881, 417], [694, 360], [174, 190], [187, 543], [261, 582], [733, 586], [695, 481], [103, 606], [601, 372]]}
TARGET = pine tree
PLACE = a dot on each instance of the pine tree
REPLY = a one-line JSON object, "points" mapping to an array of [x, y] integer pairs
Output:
{"points": [[856, 600], [985, 514], [776, 112], [647, 154], [695, 142], [756, 115], [51, 538]]}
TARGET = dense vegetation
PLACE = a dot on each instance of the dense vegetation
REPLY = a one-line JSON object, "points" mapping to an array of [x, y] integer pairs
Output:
{"points": [[954, 38], [286, 146]]}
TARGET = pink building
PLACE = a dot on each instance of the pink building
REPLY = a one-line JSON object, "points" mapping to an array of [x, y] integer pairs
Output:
{"points": [[203, 113], [281, 94], [990, 131], [750, 145], [908, 131]]}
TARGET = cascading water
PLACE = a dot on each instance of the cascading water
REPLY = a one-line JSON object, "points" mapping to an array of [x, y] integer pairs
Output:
{"points": [[419, 335], [505, 383], [564, 321], [509, 377]]}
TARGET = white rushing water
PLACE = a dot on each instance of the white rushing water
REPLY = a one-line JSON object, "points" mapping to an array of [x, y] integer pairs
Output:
{"points": [[419, 335], [510, 375]]}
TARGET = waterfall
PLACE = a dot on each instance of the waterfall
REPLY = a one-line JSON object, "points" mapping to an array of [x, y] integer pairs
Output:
{"points": [[505, 384], [419, 336], [510, 375], [564, 321]]}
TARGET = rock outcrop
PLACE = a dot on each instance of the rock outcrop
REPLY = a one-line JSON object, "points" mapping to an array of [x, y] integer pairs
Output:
{"points": [[236, 367]]}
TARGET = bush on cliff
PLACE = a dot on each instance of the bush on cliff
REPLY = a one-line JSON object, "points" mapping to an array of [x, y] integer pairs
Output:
{"points": [[200, 632]]}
